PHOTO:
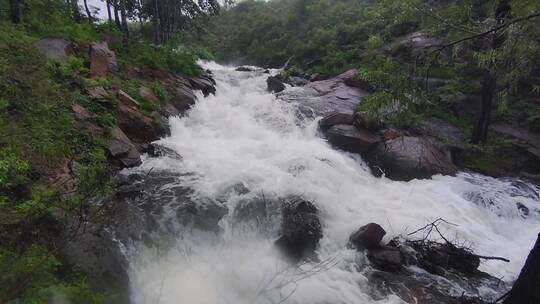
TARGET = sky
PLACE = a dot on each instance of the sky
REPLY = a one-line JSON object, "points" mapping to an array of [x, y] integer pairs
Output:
{"points": [[98, 4]]}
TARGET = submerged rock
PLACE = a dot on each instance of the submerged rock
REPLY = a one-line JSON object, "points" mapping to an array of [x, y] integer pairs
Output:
{"points": [[406, 158], [301, 229], [351, 138]]}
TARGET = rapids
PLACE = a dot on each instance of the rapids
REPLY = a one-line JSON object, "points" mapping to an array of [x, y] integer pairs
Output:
{"points": [[246, 136]]}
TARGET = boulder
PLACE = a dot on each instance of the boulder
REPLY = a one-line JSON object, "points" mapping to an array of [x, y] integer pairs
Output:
{"points": [[301, 229], [368, 236], [202, 215], [182, 94], [140, 128], [148, 94], [81, 113], [98, 93], [364, 120], [102, 60], [157, 150], [333, 95], [275, 85], [446, 135], [204, 84], [126, 99], [406, 158], [297, 81], [351, 138], [95, 253], [122, 151], [55, 48], [336, 118], [352, 79], [386, 258]]}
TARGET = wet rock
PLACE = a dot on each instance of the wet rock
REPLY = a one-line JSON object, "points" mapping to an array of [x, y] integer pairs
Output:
{"points": [[351, 138], [406, 158], [122, 150], [391, 134], [363, 120], [336, 118], [156, 150], [244, 69], [55, 48], [182, 95], [386, 258], [102, 60], [297, 81], [202, 215], [275, 85], [94, 252], [368, 236], [300, 229], [203, 83], [148, 94]]}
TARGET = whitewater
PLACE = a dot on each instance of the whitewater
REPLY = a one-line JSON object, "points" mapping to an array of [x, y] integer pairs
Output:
{"points": [[246, 136]]}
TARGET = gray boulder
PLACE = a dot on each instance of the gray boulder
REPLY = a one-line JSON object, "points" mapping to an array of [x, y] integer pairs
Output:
{"points": [[122, 151], [55, 48], [407, 158], [447, 136], [351, 138]]}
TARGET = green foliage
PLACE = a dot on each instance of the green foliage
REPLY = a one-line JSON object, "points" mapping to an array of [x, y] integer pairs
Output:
{"points": [[13, 170]]}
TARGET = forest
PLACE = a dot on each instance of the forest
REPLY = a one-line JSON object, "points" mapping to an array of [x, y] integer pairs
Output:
{"points": [[89, 89]]}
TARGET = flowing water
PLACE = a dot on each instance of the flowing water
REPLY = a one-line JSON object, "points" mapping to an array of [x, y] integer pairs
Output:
{"points": [[246, 136]]}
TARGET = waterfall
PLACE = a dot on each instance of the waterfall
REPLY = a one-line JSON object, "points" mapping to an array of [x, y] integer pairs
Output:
{"points": [[245, 143]]}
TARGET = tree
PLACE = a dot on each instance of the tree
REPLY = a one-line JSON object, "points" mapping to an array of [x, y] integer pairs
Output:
{"points": [[526, 288], [501, 51], [15, 10], [88, 13]]}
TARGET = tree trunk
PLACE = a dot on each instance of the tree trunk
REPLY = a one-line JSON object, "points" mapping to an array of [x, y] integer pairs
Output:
{"points": [[503, 13], [88, 13], [75, 11], [124, 18], [109, 11], [15, 10], [480, 131], [526, 289], [116, 16]]}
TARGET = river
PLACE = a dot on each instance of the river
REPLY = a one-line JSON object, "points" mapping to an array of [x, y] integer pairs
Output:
{"points": [[245, 143]]}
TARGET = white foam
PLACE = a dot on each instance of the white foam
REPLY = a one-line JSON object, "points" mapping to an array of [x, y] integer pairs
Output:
{"points": [[244, 134]]}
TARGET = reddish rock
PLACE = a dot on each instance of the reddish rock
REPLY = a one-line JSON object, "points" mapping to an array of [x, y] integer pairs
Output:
{"points": [[391, 133], [351, 138], [140, 128], [126, 99], [336, 118], [148, 94], [98, 93], [102, 60], [81, 112], [364, 120]]}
